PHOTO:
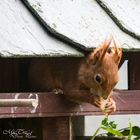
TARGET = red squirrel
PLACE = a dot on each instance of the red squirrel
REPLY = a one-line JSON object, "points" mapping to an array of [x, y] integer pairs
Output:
{"points": [[91, 80]]}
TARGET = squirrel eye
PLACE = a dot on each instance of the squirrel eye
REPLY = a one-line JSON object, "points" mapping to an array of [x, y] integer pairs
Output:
{"points": [[98, 78]]}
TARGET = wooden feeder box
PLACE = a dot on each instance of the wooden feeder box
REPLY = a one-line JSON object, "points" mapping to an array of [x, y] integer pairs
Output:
{"points": [[63, 31]]}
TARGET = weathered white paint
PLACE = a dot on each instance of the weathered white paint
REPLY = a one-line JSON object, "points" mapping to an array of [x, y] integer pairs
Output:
{"points": [[16, 102], [123, 76], [82, 21], [35, 104], [21, 35], [127, 11]]}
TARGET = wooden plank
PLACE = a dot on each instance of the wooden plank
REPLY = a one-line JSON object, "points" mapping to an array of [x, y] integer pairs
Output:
{"points": [[57, 128], [21, 128], [127, 102], [120, 10], [133, 69], [9, 75], [82, 138], [51, 105], [78, 125], [83, 29], [22, 36], [97, 138]]}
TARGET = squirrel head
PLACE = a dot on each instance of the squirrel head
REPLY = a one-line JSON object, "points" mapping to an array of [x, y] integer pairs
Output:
{"points": [[99, 72]]}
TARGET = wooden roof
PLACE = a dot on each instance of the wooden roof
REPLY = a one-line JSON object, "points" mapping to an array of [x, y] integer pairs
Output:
{"points": [[44, 28], [21, 35], [87, 23]]}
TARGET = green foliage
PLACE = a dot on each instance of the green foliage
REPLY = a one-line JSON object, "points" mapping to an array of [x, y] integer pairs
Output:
{"points": [[111, 128], [135, 131], [105, 121], [112, 131], [130, 131]]}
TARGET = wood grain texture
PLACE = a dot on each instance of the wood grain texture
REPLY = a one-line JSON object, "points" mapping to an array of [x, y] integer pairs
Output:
{"points": [[82, 23], [119, 11], [9, 75], [57, 128], [51, 105], [22, 36]]}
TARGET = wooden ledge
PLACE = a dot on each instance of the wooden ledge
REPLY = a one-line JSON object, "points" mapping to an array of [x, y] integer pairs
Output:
{"points": [[51, 105]]}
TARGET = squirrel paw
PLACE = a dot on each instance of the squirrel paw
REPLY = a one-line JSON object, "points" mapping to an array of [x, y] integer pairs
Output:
{"points": [[107, 107], [58, 91], [110, 106], [95, 100]]}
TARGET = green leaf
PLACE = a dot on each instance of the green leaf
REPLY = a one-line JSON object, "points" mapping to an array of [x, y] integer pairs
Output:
{"points": [[105, 121], [96, 132], [136, 131], [125, 132], [130, 132], [109, 134], [112, 131], [113, 125]]}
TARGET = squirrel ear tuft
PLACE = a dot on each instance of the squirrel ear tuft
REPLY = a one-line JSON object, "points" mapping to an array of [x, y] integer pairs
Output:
{"points": [[116, 53], [94, 56], [98, 54]]}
